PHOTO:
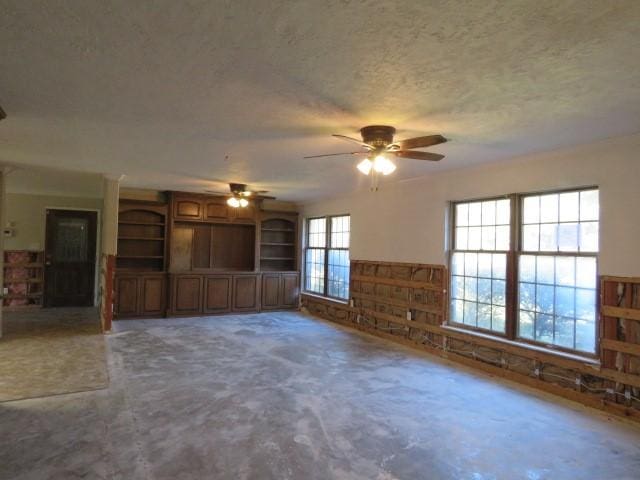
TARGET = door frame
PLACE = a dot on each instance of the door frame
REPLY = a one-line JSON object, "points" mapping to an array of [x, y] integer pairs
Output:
{"points": [[96, 274]]}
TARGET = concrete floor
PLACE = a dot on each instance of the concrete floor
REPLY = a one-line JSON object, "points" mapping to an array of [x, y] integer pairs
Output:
{"points": [[285, 396], [51, 351]]}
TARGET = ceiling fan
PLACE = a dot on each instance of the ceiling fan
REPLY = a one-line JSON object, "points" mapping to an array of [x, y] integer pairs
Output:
{"points": [[239, 193], [378, 145]]}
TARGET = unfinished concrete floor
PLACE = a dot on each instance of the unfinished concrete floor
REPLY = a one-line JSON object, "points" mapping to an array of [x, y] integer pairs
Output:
{"points": [[286, 396]]}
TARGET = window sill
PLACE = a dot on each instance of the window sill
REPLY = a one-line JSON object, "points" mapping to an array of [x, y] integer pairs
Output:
{"points": [[315, 296], [584, 360]]}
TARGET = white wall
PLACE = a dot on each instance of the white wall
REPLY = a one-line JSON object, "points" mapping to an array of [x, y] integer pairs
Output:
{"points": [[405, 221]]}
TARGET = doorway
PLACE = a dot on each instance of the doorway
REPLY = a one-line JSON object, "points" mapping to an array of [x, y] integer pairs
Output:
{"points": [[70, 258]]}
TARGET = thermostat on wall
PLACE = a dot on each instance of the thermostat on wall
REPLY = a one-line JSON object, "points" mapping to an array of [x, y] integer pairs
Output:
{"points": [[8, 232]]}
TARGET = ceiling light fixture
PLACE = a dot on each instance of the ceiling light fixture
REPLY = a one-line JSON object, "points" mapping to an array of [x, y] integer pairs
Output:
{"points": [[380, 164], [236, 202]]}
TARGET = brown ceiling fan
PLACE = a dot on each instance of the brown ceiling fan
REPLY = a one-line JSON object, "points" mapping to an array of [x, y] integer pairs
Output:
{"points": [[378, 144], [239, 193]]}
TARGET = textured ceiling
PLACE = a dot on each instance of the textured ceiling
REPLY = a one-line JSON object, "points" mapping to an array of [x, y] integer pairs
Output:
{"points": [[184, 94]]}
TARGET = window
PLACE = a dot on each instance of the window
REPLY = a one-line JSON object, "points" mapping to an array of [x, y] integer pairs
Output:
{"points": [[526, 267], [327, 256]]}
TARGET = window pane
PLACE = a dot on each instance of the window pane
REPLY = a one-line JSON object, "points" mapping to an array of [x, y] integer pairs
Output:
{"points": [[470, 288], [475, 213], [457, 263], [502, 238], [568, 237], [589, 237], [549, 208], [499, 265], [561, 308], [531, 238], [548, 237], [484, 265], [471, 264], [462, 215], [340, 232], [470, 311], [498, 319], [488, 238], [589, 205], [484, 290], [526, 324], [475, 238], [457, 287], [338, 275], [569, 207], [462, 235], [457, 311], [314, 270], [503, 212], [531, 210], [316, 232], [484, 316], [489, 212]]}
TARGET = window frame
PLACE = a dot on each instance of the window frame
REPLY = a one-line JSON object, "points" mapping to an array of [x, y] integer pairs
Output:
{"points": [[513, 255], [327, 248]]}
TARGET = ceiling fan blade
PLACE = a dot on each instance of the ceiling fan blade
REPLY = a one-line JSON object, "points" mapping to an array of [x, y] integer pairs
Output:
{"points": [[263, 197], [218, 193], [335, 154], [434, 157], [354, 140], [420, 142]]}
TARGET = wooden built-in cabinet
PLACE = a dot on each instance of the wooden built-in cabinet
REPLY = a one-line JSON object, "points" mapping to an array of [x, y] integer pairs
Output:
{"points": [[140, 295], [195, 255], [280, 290], [214, 293], [209, 208]]}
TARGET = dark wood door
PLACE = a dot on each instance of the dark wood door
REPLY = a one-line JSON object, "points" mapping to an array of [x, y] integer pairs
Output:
{"points": [[289, 290], [152, 295], [270, 291], [70, 258], [217, 294], [187, 294], [127, 292], [246, 290]]}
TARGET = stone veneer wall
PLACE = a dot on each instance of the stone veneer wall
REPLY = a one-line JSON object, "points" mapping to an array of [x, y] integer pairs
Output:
{"points": [[384, 295]]}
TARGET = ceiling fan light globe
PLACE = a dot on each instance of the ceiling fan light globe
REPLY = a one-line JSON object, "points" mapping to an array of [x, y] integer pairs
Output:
{"points": [[383, 165], [365, 166], [233, 202], [243, 202]]}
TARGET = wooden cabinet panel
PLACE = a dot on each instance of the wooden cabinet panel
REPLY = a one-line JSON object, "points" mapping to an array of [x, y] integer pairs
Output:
{"points": [[216, 210], [127, 293], [290, 290], [246, 290], [217, 294], [152, 295], [271, 291], [187, 294], [188, 209], [245, 215]]}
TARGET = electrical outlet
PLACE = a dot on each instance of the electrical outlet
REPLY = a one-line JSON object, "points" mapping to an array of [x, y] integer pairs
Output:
{"points": [[409, 315], [5, 291]]}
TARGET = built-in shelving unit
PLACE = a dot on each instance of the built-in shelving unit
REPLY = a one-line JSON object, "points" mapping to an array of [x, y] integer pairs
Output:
{"points": [[278, 244], [23, 278], [141, 237]]}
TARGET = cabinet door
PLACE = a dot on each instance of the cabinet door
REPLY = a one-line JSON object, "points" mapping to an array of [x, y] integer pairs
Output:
{"points": [[152, 295], [216, 210], [127, 293], [271, 291], [188, 209], [289, 290], [217, 294], [245, 293], [187, 294], [245, 215]]}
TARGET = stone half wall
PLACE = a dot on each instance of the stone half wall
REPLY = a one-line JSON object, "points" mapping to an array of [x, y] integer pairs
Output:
{"points": [[384, 295]]}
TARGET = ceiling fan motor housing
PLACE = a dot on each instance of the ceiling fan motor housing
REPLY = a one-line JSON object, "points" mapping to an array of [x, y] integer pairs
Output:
{"points": [[378, 136], [237, 188]]}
